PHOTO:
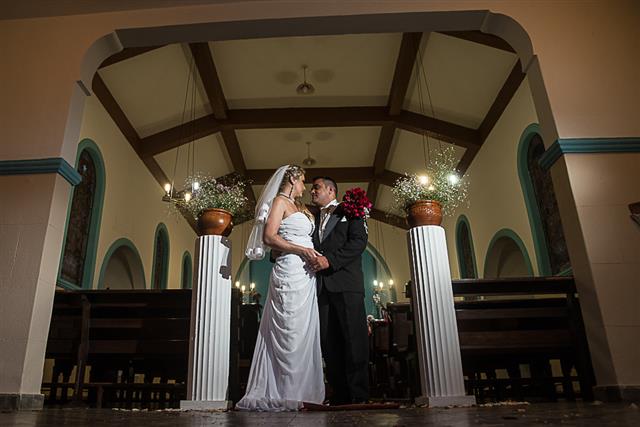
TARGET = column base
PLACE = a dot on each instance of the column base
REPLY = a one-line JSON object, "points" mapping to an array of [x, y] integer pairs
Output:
{"points": [[617, 393], [444, 401], [21, 402], [205, 405]]}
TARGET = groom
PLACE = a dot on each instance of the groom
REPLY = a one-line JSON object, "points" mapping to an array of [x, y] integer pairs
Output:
{"points": [[343, 319]]}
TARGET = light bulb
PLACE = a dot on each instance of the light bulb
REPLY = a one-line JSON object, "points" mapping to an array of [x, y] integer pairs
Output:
{"points": [[237, 284], [453, 179], [390, 282], [375, 283], [167, 188], [243, 288], [196, 186], [187, 196], [252, 286], [423, 179]]}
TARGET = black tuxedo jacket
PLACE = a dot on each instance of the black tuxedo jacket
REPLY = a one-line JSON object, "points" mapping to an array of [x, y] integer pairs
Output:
{"points": [[344, 242]]}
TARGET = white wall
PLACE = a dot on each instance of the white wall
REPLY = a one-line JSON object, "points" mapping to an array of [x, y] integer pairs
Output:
{"points": [[495, 198], [132, 200]]}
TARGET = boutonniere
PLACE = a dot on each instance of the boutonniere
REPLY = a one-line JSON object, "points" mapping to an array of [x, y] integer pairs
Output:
{"points": [[356, 204]]}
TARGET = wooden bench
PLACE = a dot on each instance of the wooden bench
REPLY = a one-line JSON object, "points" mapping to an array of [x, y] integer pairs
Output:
{"points": [[121, 335], [502, 325]]}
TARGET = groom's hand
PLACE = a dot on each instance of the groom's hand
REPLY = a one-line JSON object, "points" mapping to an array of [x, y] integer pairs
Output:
{"points": [[319, 263]]}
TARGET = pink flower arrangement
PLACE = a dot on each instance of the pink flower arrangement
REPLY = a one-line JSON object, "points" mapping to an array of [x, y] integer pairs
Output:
{"points": [[356, 204]]}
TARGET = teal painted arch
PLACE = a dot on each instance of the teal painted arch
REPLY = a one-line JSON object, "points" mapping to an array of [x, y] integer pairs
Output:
{"points": [[506, 232], [123, 241], [163, 234], [535, 219], [187, 267], [463, 220], [92, 148]]}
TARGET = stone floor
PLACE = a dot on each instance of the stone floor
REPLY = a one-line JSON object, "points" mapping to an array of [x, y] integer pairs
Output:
{"points": [[569, 414]]}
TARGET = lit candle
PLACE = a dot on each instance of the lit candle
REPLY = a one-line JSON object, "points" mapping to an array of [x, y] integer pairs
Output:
{"points": [[187, 197], [237, 284], [196, 186], [375, 283], [252, 286], [167, 188], [391, 283], [243, 288]]}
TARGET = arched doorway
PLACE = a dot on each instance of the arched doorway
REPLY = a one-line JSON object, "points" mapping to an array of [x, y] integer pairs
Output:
{"points": [[77, 263], [122, 267], [507, 257]]}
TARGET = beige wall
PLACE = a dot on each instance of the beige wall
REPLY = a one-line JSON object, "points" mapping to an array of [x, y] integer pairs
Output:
{"points": [[495, 195], [585, 57], [132, 202]]}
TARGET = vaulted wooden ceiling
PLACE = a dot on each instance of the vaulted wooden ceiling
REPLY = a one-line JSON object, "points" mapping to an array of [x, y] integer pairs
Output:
{"points": [[375, 96]]}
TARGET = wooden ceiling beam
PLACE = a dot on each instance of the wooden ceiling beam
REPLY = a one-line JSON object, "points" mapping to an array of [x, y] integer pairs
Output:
{"points": [[281, 118], [128, 131], [481, 38], [439, 129], [389, 218], [209, 77], [407, 55], [340, 175], [126, 53], [503, 98], [212, 86], [405, 62]]}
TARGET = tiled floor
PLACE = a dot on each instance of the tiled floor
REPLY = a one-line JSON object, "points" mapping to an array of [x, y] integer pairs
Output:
{"points": [[566, 414]]}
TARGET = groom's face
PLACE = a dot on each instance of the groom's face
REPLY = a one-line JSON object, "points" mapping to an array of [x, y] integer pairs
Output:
{"points": [[321, 193]]}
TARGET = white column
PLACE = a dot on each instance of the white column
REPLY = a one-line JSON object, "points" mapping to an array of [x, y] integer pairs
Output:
{"points": [[436, 330], [210, 326]]}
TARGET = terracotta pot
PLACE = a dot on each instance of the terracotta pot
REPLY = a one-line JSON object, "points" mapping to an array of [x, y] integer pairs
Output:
{"points": [[217, 222], [424, 212]]}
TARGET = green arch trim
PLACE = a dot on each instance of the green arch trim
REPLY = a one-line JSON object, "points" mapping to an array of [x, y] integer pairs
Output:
{"points": [[507, 232], [163, 233], [96, 218], [462, 219], [123, 241], [186, 257], [535, 219]]}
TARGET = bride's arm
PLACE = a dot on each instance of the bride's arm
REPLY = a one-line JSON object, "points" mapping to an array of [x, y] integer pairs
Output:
{"points": [[274, 241]]}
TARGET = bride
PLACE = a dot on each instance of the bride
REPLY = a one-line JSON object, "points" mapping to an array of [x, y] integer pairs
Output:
{"points": [[286, 369]]}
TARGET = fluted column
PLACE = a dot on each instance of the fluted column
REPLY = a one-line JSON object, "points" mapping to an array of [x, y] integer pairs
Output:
{"points": [[436, 329], [210, 326]]}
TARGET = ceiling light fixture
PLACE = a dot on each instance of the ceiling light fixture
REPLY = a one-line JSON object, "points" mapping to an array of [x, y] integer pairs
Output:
{"points": [[305, 88], [309, 161]]}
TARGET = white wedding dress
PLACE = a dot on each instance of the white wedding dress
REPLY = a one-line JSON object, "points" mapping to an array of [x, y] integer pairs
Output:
{"points": [[286, 369]]}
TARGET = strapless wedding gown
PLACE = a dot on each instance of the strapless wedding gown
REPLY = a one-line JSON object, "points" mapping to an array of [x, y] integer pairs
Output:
{"points": [[286, 369]]}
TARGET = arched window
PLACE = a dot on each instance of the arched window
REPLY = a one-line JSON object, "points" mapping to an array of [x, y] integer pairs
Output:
{"points": [[464, 249], [187, 271], [122, 267], [77, 263], [507, 257], [542, 206], [160, 270]]}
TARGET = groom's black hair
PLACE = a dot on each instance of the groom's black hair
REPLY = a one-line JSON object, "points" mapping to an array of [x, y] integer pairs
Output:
{"points": [[328, 181]]}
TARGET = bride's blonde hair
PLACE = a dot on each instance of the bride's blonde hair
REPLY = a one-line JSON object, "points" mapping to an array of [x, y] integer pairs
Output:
{"points": [[296, 172]]}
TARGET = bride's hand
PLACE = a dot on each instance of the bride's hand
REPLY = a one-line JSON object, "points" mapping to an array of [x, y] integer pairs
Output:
{"points": [[308, 253]]}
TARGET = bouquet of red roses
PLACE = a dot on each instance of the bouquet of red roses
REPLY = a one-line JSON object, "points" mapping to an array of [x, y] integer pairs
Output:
{"points": [[356, 204]]}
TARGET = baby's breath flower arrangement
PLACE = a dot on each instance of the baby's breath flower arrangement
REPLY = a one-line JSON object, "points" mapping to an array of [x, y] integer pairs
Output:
{"points": [[441, 183], [205, 192]]}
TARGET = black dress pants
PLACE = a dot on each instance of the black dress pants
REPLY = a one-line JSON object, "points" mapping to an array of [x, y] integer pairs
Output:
{"points": [[345, 344]]}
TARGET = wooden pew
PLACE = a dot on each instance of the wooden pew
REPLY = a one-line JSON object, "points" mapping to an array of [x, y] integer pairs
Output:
{"points": [[502, 324]]}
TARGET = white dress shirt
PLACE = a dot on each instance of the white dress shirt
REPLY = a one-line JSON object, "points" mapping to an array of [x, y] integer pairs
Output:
{"points": [[325, 214]]}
